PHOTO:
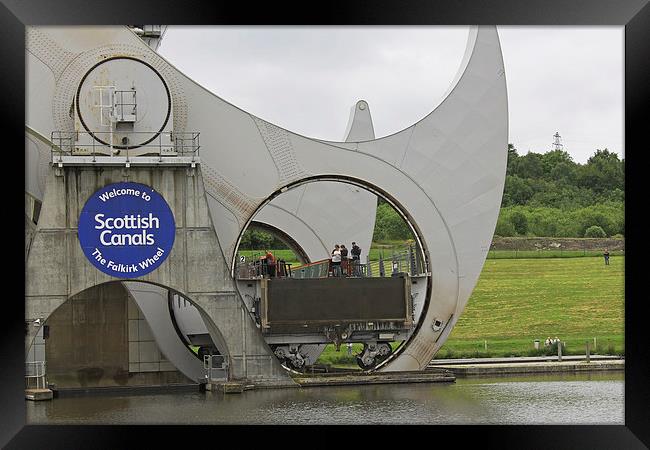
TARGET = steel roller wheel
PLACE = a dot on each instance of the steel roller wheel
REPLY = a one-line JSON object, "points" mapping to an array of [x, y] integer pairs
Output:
{"points": [[292, 364], [384, 350], [364, 361]]}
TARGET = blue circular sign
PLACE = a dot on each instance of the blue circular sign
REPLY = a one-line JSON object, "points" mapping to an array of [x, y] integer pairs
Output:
{"points": [[126, 230]]}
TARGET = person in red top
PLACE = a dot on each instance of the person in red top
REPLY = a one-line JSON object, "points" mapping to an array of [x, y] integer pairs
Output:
{"points": [[270, 262]]}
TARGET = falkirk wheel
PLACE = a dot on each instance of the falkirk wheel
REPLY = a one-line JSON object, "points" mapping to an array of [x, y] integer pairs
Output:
{"points": [[104, 108]]}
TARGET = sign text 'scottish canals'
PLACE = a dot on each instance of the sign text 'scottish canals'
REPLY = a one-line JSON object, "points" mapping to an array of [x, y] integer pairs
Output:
{"points": [[126, 230]]}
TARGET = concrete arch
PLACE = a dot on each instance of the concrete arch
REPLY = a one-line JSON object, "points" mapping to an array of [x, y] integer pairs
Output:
{"points": [[151, 299]]}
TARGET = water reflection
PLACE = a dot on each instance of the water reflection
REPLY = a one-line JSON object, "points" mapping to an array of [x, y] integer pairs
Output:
{"points": [[567, 399]]}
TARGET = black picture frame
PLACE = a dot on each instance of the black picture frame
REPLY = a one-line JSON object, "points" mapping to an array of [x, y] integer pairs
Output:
{"points": [[633, 14]]}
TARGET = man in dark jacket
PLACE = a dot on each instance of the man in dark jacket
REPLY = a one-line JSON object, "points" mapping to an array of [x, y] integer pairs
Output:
{"points": [[356, 259], [345, 266]]}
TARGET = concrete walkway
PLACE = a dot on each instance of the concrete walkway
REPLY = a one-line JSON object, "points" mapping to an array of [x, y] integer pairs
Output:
{"points": [[433, 375], [528, 365], [520, 359]]}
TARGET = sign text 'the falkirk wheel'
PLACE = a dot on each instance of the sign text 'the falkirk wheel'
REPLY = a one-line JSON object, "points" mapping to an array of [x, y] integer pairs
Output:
{"points": [[126, 230]]}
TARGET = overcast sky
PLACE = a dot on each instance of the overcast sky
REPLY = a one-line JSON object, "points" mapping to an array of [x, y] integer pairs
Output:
{"points": [[305, 79]]}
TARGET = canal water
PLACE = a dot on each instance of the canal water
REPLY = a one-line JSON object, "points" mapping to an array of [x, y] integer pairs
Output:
{"points": [[554, 399]]}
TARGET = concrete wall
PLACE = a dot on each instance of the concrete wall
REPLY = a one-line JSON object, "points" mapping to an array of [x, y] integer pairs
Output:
{"points": [[57, 269], [88, 339], [90, 343]]}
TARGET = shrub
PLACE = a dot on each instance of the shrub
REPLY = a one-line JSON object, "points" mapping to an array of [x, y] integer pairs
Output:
{"points": [[389, 225], [519, 222], [595, 232], [450, 354], [504, 227], [543, 221], [607, 216], [541, 351]]}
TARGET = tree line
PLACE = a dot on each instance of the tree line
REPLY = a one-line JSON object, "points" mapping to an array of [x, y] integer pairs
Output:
{"points": [[258, 239], [547, 195]]}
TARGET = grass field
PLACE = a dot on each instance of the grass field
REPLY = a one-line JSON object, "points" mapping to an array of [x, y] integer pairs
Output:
{"points": [[519, 300], [528, 254], [287, 255]]}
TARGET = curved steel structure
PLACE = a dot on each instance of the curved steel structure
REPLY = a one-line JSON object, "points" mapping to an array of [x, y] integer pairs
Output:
{"points": [[445, 173], [304, 214]]}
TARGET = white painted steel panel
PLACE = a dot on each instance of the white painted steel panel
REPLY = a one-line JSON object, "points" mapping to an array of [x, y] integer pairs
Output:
{"points": [[322, 214]]}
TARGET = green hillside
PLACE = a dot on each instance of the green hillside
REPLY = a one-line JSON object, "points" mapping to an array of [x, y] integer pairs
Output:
{"points": [[519, 300]]}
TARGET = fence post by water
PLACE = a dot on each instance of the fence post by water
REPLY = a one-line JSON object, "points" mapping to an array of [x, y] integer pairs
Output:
{"points": [[559, 351], [588, 356]]}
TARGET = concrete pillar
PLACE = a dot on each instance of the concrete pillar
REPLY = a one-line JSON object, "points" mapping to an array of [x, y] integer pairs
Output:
{"points": [[57, 269]]}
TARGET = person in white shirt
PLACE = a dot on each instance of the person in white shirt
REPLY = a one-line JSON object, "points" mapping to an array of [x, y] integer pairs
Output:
{"points": [[336, 261]]}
